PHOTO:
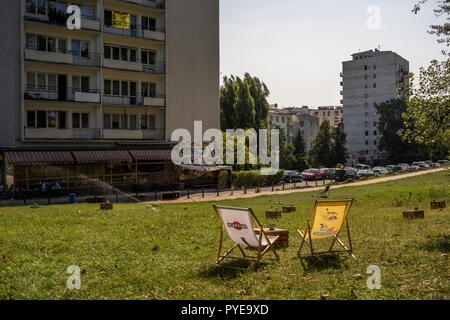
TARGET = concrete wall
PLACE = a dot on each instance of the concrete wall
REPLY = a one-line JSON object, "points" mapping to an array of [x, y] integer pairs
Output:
{"points": [[193, 64], [11, 71]]}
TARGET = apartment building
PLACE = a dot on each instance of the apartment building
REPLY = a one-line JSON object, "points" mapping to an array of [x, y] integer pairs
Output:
{"points": [[371, 77], [291, 120], [110, 93], [333, 114]]}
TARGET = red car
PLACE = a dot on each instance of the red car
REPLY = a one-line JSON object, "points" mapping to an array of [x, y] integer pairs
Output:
{"points": [[313, 174]]}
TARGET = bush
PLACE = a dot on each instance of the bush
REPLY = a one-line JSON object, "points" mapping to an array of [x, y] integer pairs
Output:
{"points": [[223, 179], [255, 179]]}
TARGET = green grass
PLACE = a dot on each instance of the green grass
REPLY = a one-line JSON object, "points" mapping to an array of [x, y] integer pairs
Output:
{"points": [[166, 252]]}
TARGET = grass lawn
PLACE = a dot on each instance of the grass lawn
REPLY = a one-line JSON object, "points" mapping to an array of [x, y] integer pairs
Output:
{"points": [[166, 252]]}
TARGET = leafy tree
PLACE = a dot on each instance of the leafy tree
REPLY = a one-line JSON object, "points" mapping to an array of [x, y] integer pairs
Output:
{"points": [[389, 126], [300, 154], [259, 93], [227, 98], [244, 106], [427, 117], [287, 158], [339, 152], [319, 154]]}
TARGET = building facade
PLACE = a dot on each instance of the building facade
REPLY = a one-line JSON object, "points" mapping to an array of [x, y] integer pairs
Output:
{"points": [[291, 120], [333, 114], [135, 71], [371, 77]]}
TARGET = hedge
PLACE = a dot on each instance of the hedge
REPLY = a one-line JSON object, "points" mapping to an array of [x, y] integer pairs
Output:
{"points": [[250, 179]]}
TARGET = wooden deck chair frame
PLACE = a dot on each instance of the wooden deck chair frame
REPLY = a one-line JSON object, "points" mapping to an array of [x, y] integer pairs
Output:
{"points": [[309, 241], [262, 250]]}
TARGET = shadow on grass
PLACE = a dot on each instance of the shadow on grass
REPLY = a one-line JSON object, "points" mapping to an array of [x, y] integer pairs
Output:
{"points": [[229, 270], [439, 243], [327, 261]]}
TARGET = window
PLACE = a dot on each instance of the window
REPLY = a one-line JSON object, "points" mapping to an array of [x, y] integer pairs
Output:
{"points": [[124, 87], [148, 89], [85, 49], [374, 67], [62, 45], [62, 119], [31, 80], [151, 122], [374, 85], [375, 142], [51, 82], [85, 84], [115, 121], [51, 44], [107, 52], [366, 77], [107, 121], [31, 41], [108, 18], [51, 116], [133, 121], [367, 142], [365, 67], [282, 119], [124, 121], [107, 86], [148, 23], [80, 48], [76, 120], [375, 133], [374, 75], [41, 119], [87, 11], [85, 120], [148, 57], [133, 55], [116, 53], [366, 114], [366, 124], [142, 122], [31, 119], [75, 48], [367, 133], [41, 81], [116, 88], [124, 54], [80, 120], [41, 43]]}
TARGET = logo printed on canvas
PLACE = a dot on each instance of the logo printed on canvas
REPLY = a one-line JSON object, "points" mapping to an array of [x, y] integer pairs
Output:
{"points": [[238, 226]]}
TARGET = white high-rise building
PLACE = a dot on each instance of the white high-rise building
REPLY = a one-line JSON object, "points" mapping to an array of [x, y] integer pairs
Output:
{"points": [[371, 77]]}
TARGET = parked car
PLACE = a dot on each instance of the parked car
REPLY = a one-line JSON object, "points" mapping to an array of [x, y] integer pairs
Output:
{"points": [[443, 162], [437, 164], [345, 175], [313, 174], [330, 174], [421, 164], [292, 176], [405, 166], [397, 169], [390, 167], [414, 167], [365, 173], [380, 170], [362, 167]]}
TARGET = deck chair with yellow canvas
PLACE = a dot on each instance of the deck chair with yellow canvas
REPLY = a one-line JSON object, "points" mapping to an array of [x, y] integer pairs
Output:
{"points": [[325, 222], [238, 223]]}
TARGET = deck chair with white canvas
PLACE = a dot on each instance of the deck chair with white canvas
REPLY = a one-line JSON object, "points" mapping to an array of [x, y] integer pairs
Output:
{"points": [[238, 223], [325, 222]]}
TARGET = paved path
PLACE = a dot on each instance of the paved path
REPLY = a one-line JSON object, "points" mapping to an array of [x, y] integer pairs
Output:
{"points": [[238, 194]]}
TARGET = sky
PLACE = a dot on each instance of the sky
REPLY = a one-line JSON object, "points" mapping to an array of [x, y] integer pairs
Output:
{"points": [[297, 46]]}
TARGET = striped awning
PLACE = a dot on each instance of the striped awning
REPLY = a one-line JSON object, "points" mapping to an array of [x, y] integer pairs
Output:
{"points": [[35, 158], [102, 156], [151, 155]]}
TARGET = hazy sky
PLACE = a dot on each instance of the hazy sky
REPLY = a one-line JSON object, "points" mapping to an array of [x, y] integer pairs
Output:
{"points": [[297, 46]]}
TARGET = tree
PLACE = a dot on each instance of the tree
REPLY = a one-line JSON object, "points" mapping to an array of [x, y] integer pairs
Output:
{"points": [[227, 99], [319, 154], [427, 117], [390, 124], [287, 158], [441, 31], [338, 152], [300, 154], [244, 106], [259, 93]]}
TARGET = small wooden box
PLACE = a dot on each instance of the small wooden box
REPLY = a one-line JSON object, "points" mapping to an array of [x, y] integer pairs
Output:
{"points": [[438, 205], [282, 241], [414, 214], [106, 206], [273, 214], [289, 209]]}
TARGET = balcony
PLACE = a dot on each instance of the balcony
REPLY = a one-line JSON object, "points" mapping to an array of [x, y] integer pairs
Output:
{"points": [[64, 56], [58, 94], [127, 134], [62, 134], [158, 68], [149, 3], [137, 32], [54, 16], [138, 100]]}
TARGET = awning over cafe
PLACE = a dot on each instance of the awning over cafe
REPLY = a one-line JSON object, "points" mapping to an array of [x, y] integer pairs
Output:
{"points": [[151, 155], [35, 158], [102, 156]]}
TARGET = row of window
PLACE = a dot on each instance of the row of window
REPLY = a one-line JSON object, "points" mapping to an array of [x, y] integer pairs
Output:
{"points": [[366, 67], [56, 119], [129, 54], [366, 123], [129, 121], [48, 82], [374, 142], [45, 43], [147, 23], [374, 133], [128, 88], [40, 6]]}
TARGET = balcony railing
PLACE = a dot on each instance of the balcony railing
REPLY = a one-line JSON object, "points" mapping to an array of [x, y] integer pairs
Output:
{"points": [[130, 134], [149, 3], [158, 67], [62, 134], [78, 58], [54, 16], [136, 31], [135, 100], [58, 94]]}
